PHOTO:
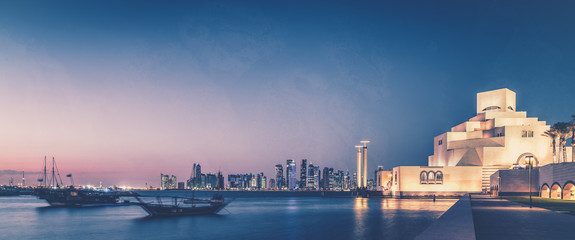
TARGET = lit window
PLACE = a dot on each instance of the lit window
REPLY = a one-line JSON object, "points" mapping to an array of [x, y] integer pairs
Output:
{"points": [[431, 178], [423, 177], [526, 134], [439, 177]]}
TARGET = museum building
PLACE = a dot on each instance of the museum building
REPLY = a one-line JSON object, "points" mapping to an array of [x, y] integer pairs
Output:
{"points": [[498, 137]]}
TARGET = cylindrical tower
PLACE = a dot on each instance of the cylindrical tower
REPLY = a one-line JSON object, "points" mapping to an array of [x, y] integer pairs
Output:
{"points": [[364, 182], [359, 170], [365, 166]]}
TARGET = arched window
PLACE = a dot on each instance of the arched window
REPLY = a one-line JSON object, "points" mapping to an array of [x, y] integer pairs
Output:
{"points": [[423, 177], [431, 177], [439, 177]]}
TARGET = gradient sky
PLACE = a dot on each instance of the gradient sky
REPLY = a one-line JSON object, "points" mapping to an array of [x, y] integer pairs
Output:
{"points": [[121, 91]]}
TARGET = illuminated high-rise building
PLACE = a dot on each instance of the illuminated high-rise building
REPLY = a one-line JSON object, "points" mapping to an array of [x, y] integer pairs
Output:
{"points": [[313, 176], [291, 174], [303, 174], [167, 182], [279, 176], [220, 184], [364, 175], [359, 169]]}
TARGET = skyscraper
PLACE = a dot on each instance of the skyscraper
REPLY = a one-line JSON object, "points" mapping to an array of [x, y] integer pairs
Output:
{"points": [[313, 176], [303, 174], [198, 176], [291, 174], [325, 180], [279, 176], [364, 155], [167, 182], [220, 184]]}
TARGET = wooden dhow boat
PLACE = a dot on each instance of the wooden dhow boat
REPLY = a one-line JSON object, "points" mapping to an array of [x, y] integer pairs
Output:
{"points": [[182, 206]]}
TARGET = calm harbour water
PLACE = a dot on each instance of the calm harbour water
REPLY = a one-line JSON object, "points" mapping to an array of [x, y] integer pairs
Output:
{"points": [[248, 217]]}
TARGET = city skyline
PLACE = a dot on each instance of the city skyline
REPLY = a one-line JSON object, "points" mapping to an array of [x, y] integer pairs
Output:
{"points": [[121, 92]]}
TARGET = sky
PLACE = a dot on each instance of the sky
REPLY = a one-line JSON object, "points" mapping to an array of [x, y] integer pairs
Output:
{"points": [[122, 91]]}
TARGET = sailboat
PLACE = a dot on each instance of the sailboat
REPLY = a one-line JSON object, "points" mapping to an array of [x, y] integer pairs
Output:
{"points": [[56, 194]]}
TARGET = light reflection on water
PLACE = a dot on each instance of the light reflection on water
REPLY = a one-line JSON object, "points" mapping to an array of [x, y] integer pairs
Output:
{"points": [[26, 217]]}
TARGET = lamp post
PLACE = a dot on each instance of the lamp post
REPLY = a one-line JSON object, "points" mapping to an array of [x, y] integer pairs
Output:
{"points": [[529, 160]]}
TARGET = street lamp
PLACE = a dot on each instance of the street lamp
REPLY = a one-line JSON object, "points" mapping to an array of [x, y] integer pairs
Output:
{"points": [[529, 160]]}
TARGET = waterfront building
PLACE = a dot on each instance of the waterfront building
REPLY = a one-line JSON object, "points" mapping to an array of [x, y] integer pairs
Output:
{"points": [[203, 181], [371, 184], [313, 177], [279, 176], [514, 182], [557, 181], [303, 174], [220, 181], [234, 181], [181, 185], [253, 180], [167, 182], [211, 181], [359, 172], [346, 184], [272, 183], [498, 137], [291, 174], [328, 179], [259, 180], [323, 182], [263, 181], [338, 179], [195, 180], [383, 179]]}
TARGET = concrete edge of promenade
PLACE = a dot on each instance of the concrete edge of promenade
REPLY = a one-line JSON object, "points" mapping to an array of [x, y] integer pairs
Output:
{"points": [[455, 223]]}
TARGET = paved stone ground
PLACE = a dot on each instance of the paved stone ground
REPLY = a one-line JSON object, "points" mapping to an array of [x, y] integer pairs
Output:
{"points": [[456, 223], [502, 219]]}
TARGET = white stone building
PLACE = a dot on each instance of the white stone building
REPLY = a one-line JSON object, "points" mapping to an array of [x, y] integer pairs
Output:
{"points": [[498, 137]]}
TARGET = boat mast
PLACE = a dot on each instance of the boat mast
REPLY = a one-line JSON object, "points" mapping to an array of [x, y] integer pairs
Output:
{"points": [[45, 182], [60, 183]]}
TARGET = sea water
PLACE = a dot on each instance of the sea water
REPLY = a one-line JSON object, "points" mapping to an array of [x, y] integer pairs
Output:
{"points": [[249, 216]]}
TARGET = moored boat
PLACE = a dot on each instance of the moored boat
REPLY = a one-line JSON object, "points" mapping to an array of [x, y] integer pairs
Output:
{"points": [[77, 197], [182, 206], [56, 194]]}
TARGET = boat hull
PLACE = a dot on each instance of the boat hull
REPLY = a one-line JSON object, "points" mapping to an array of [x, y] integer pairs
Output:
{"points": [[173, 211], [76, 197]]}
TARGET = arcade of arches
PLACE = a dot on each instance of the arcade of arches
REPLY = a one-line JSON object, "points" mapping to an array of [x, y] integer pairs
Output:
{"points": [[556, 191]]}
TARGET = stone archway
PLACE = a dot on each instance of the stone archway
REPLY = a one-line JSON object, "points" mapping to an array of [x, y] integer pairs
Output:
{"points": [[569, 191], [555, 191], [545, 191], [521, 160]]}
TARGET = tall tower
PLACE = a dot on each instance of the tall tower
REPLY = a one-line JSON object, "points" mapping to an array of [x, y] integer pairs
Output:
{"points": [[358, 175], [303, 174], [279, 176], [364, 163], [290, 174]]}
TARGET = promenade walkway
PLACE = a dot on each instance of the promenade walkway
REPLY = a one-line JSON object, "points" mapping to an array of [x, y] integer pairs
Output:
{"points": [[501, 219], [456, 223]]}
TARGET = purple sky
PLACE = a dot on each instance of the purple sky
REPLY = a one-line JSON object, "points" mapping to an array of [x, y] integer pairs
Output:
{"points": [[121, 92]]}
